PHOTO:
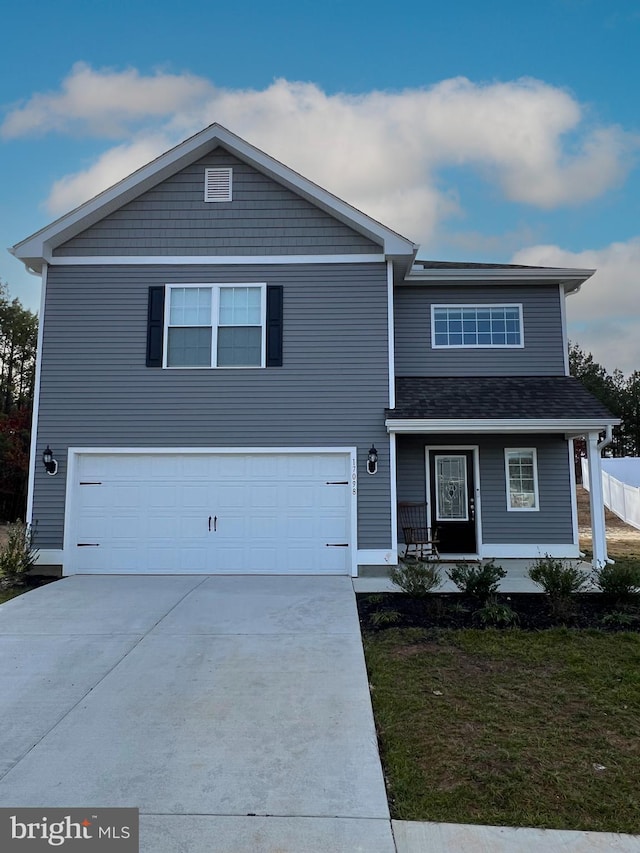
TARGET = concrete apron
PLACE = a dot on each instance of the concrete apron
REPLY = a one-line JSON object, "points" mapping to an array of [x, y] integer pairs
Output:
{"points": [[234, 712]]}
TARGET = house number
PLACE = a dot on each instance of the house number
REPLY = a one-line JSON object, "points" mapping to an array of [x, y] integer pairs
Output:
{"points": [[354, 477]]}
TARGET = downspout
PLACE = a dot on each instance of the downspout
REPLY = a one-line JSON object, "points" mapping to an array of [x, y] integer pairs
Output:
{"points": [[608, 437]]}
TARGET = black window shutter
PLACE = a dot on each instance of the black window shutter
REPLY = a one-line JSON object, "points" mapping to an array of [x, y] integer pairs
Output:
{"points": [[274, 325], [155, 326]]}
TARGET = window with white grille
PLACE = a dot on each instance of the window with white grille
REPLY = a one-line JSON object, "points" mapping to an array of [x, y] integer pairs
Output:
{"points": [[476, 326], [521, 467], [218, 184]]}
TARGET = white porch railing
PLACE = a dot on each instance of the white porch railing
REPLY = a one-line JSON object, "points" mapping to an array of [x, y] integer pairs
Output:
{"points": [[619, 497]]}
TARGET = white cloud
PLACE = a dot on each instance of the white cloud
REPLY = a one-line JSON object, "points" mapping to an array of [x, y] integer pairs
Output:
{"points": [[105, 102], [115, 164], [382, 151], [603, 316]]}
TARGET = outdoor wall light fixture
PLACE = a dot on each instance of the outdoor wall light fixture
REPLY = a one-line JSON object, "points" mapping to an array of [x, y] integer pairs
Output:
{"points": [[50, 464], [372, 461]]}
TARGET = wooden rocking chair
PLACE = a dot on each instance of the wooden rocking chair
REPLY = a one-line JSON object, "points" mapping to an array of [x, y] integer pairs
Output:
{"points": [[416, 532]]}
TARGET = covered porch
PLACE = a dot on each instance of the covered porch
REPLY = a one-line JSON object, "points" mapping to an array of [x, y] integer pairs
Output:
{"points": [[496, 476]]}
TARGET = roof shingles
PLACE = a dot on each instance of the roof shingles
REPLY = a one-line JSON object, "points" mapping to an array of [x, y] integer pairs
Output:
{"points": [[495, 397]]}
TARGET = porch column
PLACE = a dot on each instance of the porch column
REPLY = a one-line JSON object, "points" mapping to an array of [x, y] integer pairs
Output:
{"points": [[596, 502]]}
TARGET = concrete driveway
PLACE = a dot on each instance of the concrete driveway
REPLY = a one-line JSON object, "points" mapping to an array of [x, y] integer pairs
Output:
{"points": [[233, 711]]}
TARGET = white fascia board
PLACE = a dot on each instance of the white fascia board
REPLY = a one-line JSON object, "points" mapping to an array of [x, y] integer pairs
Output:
{"points": [[50, 557], [570, 279], [211, 260], [33, 248], [377, 557], [488, 425], [33, 451]]}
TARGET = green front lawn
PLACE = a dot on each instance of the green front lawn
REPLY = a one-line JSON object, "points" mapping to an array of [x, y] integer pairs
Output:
{"points": [[509, 727], [6, 594]]}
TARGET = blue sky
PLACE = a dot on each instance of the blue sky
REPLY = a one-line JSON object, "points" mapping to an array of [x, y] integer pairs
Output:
{"points": [[487, 130]]}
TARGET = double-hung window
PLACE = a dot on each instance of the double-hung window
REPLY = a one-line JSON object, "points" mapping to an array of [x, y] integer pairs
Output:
{"points": [[220, 325], [476, 326], [521, 468]]}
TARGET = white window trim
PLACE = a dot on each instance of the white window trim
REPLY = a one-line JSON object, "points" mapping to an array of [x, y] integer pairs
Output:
{"points": [[215, 304], [534, 452], [477, 306], [228, 171]]}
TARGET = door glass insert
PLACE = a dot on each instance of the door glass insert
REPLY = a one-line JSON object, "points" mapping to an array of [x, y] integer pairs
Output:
{"points": [[451, 488]]}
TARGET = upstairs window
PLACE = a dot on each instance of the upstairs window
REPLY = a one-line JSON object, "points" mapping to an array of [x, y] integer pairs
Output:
{"points": [[476, 326], [215, 326], [218, 184]]}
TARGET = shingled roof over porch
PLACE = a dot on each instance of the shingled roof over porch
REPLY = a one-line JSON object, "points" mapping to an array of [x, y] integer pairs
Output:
{"points": [[496, 398]]}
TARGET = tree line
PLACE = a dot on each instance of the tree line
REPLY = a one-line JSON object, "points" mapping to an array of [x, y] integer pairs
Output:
{"points": [[620, 394], [18, 344]]}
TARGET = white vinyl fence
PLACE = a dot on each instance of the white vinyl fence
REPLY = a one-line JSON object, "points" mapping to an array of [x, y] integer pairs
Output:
{"points": [[620, 487]]}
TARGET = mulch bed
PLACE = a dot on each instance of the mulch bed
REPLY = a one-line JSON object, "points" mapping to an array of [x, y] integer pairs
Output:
{"points": [[380, 611]]}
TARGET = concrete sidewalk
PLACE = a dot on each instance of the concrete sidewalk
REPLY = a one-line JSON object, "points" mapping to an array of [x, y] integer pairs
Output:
{"points": [[414, 837]]}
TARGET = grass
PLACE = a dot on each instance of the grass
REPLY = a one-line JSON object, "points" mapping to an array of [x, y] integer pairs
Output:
{"points": [[509, 728], [7, 594]]}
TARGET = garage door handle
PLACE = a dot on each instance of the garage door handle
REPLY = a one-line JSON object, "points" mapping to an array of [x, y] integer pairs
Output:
{"points": [[215, 523], [340, 545]]}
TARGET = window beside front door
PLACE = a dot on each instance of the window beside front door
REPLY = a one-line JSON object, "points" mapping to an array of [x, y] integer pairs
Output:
{"points": [[521, 468], [215, 326]]}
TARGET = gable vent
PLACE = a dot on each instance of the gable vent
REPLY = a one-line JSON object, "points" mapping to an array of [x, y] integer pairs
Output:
{"points": [[217, 184]]}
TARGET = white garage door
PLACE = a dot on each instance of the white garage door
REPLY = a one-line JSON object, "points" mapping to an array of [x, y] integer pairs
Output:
{"points": [[212, 513]]}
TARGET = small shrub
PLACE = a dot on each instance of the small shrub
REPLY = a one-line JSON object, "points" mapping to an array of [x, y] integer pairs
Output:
{"points": [[496, 614], [620, 581], [381, 618], [480, 582], [416, 579], [558, 578], [619, 619], [18, 556]]}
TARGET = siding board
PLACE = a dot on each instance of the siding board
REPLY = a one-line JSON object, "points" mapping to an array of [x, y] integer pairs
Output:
{"points": [[264, 218], [542, 354], [331, 390], [552, 524]]}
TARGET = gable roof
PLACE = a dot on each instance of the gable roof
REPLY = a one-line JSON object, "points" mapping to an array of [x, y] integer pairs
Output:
{"points": [[38, 247]]}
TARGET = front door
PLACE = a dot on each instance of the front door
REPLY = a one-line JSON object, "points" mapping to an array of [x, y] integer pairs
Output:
{"points": [[452, 500]]}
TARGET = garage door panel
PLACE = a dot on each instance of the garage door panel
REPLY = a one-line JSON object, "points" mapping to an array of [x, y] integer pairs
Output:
{"points": [[193, 496], [271, 512]]}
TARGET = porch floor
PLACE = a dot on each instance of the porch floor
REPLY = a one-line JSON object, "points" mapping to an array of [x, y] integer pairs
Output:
{"points": [[517, 579]]}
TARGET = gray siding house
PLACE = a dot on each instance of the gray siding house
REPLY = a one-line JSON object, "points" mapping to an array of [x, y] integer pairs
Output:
{"points": [[239, 372]]}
